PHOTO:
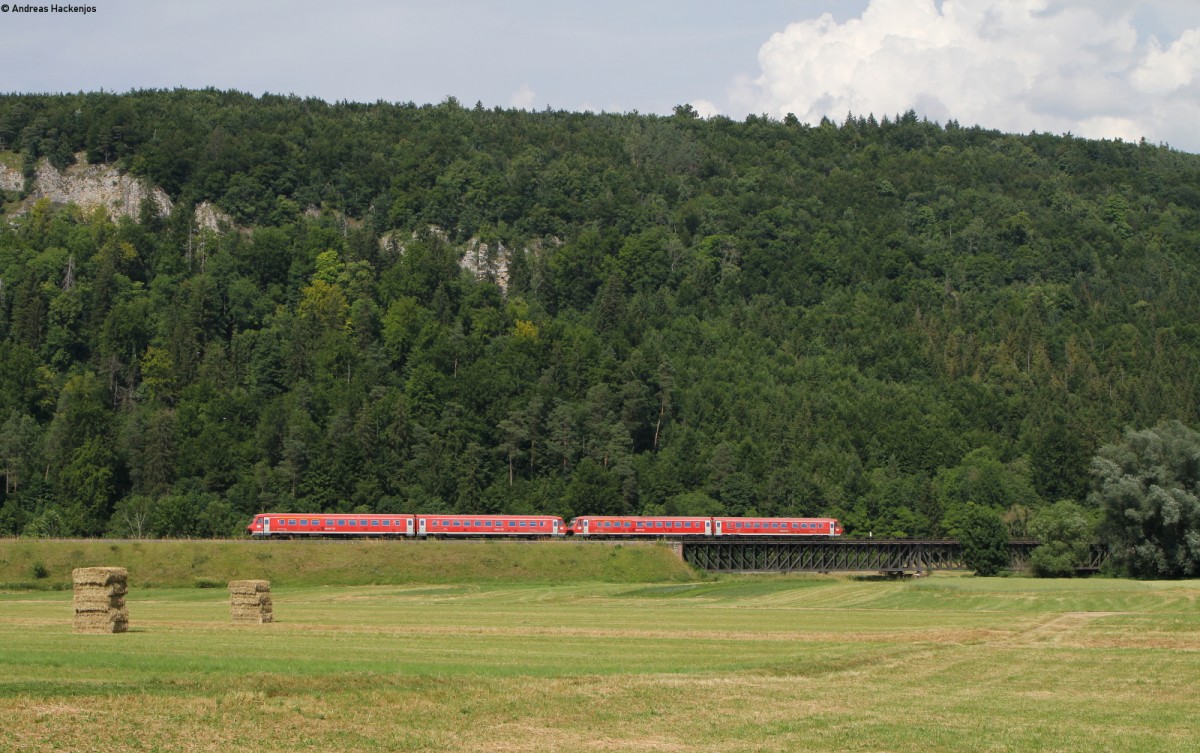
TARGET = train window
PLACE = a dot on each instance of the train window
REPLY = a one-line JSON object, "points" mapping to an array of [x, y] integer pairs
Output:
{"points": [[458, 522], [303, 522], [640, 524], [316, 522], [374, 522]]}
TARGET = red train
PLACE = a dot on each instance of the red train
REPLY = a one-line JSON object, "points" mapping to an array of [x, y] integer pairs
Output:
{"points": [[290, 525], [633, 526]]}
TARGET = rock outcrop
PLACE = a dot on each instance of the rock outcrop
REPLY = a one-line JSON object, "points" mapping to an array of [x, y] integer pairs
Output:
{"points": [[208, 217], [92, 186], [10, 179], [487, 261]]}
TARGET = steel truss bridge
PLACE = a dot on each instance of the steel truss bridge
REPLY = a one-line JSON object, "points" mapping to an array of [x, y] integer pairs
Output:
{"points": [[830, 555]]}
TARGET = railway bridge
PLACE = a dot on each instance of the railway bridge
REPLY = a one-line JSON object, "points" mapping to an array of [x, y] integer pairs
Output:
{"points": [[829, 555]]}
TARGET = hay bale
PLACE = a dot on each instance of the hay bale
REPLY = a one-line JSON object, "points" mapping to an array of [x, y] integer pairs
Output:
{"points": [[249, 600], [97, 602], [99, 576], [111, 621], [253, 617], [249, 586]]}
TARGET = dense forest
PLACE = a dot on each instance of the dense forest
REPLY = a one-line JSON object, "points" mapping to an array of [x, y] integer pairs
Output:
{"points": [[878, 319]]}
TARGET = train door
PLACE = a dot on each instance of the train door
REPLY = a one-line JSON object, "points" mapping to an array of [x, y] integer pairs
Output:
{"points": [[266, 526], [586, 526], [421, 526], [708, 527], [556, 531], [719, 532]]}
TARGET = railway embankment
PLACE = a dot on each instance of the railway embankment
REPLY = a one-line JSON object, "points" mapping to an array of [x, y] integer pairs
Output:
{"points": [[47, 564]]}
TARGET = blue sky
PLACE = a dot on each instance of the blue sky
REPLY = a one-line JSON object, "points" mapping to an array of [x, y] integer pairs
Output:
{"points": [[1098, 68]]}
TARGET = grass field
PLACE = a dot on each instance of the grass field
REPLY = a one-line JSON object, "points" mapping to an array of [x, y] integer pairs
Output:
{"points": [[948, 663]]}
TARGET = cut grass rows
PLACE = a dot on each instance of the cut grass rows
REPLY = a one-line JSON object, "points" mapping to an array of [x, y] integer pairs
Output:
{"points": [[741, 664]]}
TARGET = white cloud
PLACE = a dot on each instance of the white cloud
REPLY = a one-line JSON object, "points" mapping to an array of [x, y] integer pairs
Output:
{"points": [[1016, 65], [522, 98], [1163, 71], [705, 109]]}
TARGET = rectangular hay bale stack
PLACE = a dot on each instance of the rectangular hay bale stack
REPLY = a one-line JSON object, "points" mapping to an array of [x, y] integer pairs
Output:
{"points": [[250, 601], [99, 599]]}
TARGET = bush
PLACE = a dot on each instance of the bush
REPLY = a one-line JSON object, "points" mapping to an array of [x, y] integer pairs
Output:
{"points": [[983, 536], [1066, 532], [1053, 560]]}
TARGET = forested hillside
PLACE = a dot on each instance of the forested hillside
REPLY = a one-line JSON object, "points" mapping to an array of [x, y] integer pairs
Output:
{"points": [[880, 320]]}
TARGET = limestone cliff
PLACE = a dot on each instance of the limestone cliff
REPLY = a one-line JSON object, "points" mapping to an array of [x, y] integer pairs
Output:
{"points": [[91, 186]]}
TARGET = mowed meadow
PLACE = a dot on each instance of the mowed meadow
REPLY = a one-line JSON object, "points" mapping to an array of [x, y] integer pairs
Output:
{"points": [[747, 663]]}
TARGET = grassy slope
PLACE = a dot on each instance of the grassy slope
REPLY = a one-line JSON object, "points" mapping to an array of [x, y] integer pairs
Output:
{"points": [[298, 563], [755, 663]]}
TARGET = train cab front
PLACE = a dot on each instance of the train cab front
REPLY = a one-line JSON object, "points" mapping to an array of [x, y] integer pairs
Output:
{"points": [[256, 527], [837, 528]]}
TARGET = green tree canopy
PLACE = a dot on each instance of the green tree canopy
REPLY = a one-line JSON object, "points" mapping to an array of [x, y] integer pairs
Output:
{"points": [[1148, 486]]}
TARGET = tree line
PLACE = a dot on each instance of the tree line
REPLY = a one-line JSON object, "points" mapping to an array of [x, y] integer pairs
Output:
{"points": [[891, 321]]}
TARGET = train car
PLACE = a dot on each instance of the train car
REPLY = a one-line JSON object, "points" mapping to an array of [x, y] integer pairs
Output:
{"points": [[505, 526], [763, 527], [300, 525], [636, 526], [297, 525]]}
